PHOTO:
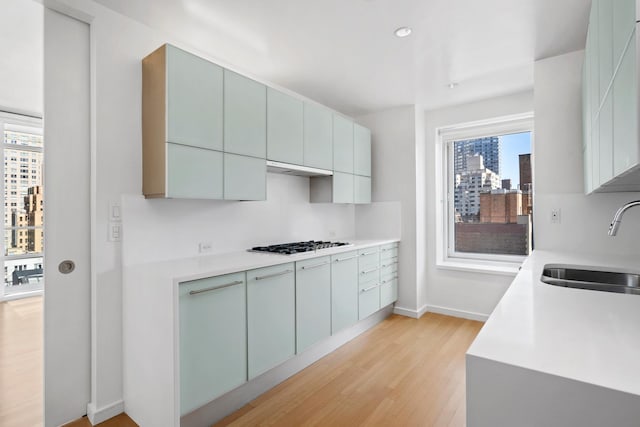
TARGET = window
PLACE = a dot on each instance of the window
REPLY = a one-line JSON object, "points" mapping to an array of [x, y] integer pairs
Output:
{"points": [[23, 242], [486, 194]]}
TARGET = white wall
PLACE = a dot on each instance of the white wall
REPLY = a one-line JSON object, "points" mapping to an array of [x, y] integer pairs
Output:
{"points": [[558, 170], [157, 230], [393, 162], [467, 294], [21, 54], [163, 228]]}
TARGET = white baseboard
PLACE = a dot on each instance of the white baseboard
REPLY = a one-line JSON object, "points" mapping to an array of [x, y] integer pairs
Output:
{"points": [[415, 314], [97, 416], [457, 313]]}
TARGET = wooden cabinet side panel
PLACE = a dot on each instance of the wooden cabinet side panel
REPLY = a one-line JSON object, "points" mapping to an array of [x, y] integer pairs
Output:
{"points": [[154, 123]]}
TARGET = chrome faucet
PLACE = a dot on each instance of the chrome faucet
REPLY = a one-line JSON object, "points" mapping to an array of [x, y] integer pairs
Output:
{"points": [[617, 218]]}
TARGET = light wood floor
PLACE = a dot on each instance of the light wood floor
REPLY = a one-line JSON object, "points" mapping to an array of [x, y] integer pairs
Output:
{"points": [[404, 372], [21, 363]]}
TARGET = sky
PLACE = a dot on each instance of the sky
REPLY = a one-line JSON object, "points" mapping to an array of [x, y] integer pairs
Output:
{"points": [[511, 146]]}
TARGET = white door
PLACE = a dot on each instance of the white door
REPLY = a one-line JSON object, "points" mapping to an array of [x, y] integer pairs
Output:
{"points": [[67, 337]]}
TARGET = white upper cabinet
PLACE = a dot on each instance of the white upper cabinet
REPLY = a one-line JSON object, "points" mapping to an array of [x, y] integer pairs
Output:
{"points": [[318, 137], [245, 116], [610, 98], [361, 150], [194, 100], [284, 128], [342, 144]]}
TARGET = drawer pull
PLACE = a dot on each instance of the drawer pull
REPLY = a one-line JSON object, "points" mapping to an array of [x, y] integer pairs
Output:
{"points": [[368, 253], [369, 288], [213, 288], [389, 249], [389, 280], [309, 267], [368, 271], [268, 276], [345, 259], [389, 265]]}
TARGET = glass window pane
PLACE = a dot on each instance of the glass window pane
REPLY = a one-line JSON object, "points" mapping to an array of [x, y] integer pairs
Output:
{"points": [[493, 195], [23, 275], [23, 135]]}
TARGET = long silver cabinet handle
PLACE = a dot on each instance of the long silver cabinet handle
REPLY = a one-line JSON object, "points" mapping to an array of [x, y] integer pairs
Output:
{"points": [[369, 288], [268, 276], [389, 265], [369, 271], [387, 281], [345, 259], [309, 267], [213, 288], [389, 249]]}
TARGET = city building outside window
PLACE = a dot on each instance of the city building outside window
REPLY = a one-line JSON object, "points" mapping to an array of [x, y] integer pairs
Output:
{"points": [[486, 194], [23, 243]]}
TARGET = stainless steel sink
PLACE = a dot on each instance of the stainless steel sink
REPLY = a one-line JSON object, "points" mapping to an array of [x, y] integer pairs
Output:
{"points": [[594, 279]]}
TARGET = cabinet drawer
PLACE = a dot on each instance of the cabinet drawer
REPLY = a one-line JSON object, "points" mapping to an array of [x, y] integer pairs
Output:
{"points": [[368, 258], [389, 269], [368, 276], [368, 301], [388, 291], [387, 252]]}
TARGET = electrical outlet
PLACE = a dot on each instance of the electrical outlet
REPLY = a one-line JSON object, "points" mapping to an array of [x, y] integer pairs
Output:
{"points": [[204, 247], [555, 216]]}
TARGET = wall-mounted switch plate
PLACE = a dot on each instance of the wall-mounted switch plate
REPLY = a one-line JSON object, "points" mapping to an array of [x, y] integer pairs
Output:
{"points": [[555, 216], [115, 232], [115, 213]]}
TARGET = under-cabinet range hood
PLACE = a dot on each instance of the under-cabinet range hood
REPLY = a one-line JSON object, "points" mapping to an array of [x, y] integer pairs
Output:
{"points": [[289, 169]]}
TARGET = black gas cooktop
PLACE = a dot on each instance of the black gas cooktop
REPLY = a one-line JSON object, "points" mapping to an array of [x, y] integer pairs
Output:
{"points": [[297, 247]]}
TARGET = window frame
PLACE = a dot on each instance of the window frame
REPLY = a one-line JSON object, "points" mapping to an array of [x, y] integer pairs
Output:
{"points": [[447, 257]]}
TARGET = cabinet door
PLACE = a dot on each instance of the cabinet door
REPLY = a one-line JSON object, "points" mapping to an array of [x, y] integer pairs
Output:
{"points": [[271, 317], [342, 144], [213, 338], [362, 186], [313, 301], [361, 150], [625, 112], [284, 128], [624, 22], [606, 140], [344, 290], [594, 79], [245, 116], [318, 145], [605, 43], [244, 178], [194, 100], [193, 173], [343, 191]]}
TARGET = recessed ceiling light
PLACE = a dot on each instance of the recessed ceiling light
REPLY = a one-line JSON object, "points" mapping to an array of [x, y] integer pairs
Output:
{"points": [[452, 85], [402, 32]]}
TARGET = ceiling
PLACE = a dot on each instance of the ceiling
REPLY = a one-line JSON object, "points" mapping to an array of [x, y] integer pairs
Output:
{"points": [[342, 53]]}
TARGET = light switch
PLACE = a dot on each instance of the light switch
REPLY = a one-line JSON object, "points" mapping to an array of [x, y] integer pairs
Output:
{"points": [[115, 232], [115, 212]]}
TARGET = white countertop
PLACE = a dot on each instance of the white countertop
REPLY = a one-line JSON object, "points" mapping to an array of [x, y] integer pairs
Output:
{"points": [[584, 335], [194, 268]]}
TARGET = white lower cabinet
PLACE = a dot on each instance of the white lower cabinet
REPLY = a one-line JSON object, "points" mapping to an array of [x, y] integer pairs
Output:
{"points": [[313, 301], [344, 290], [235, 327], [213, 338], [271, 327]]}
